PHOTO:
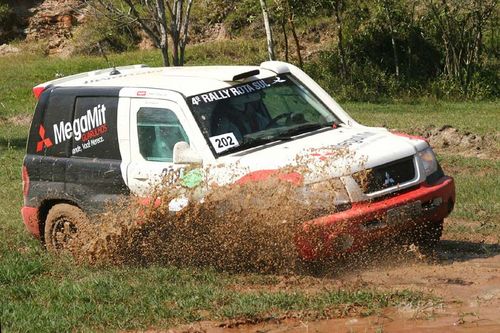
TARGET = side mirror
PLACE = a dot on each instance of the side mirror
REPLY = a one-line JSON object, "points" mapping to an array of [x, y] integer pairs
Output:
{"points": [[183, 154]]}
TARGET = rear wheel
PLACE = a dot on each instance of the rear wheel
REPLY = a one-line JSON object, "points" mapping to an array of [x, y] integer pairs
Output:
{"points": [[61, 226]]}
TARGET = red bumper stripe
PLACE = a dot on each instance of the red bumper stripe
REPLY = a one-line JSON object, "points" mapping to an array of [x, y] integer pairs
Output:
{"points": [[318, 234]]}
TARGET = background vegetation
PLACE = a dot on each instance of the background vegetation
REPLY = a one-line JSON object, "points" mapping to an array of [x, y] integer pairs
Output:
{"points": [[363, 50]]}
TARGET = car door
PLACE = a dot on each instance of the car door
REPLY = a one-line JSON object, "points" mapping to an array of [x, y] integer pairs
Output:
{"points": [[155, 128]]}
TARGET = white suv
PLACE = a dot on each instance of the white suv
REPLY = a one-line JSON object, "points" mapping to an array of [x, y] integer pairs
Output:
{"points": [[100, 135]]}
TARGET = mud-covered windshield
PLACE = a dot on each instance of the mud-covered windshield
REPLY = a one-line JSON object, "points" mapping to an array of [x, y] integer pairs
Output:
{"points": [[251, 114]]}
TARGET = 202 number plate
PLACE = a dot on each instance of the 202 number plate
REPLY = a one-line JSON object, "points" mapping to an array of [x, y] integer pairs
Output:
{"points": [[224, 142]]}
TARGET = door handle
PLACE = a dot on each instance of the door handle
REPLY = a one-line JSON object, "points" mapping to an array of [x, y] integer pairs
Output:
{"points": [[141, 177]]}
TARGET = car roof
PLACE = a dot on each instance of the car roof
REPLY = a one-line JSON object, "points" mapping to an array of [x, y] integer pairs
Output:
{"points": [[188, 81]]}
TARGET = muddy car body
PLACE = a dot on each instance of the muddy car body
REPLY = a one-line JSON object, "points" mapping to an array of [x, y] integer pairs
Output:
{"points": [[106, 134]]}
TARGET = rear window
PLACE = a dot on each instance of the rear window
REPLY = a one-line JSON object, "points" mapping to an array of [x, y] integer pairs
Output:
{"points": [[53, 108]]}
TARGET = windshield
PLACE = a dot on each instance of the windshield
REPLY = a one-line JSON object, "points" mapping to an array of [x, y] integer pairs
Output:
{"points": [[251, 114]]}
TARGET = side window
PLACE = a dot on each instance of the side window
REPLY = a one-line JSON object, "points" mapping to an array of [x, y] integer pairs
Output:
{"points": [[158, 131], [93, 129]]}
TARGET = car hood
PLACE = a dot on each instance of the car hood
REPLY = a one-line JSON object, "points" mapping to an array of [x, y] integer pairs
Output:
{"points": [[321, 154]]}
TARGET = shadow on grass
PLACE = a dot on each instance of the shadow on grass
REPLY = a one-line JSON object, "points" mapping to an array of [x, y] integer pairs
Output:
{"points": [[391, 254], [449, 251]]}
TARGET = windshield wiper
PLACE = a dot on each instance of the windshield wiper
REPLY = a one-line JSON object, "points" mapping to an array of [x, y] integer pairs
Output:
{"points": [[250, 143], [304, 128], [288, 135]]}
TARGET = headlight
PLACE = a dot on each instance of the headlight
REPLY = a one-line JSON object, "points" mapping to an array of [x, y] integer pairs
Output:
{"points": [[325, 196], [428, 160]]}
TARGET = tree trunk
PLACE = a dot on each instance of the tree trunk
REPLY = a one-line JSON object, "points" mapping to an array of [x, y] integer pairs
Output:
{"points": [[409, 49], [175, 17], [269, 33], [338, 6], [185, 35], [296, 38], [285, 37], [395, 52], [163, 32], [386, 6]]}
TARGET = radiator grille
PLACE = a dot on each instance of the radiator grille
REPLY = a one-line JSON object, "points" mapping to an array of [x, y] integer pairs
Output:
{"points": [[387, 175]]}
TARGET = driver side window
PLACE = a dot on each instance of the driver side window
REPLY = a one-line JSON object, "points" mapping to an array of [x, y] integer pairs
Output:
{"points": [[158, 131]]}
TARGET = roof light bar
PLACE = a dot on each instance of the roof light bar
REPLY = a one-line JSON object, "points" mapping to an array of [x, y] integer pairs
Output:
{"points": [[245, 75]]}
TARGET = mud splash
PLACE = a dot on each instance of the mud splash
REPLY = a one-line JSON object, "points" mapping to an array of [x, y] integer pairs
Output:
{"points": [[245, 227], [254, 224]]}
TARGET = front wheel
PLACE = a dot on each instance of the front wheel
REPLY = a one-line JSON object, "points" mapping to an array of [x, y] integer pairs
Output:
{"points": [[61, 226]]}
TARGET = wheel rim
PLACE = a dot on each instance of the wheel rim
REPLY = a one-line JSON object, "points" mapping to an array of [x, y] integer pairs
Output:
{"points": [[62, 232]]}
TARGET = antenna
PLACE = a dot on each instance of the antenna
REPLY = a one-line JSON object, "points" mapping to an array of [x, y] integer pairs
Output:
{"points": [[114, 71]]}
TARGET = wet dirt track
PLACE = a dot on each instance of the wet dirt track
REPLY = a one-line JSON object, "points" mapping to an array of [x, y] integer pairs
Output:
{"points": [[464, 275]]}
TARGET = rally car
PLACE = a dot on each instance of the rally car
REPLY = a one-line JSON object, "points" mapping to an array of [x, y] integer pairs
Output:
{"points": [[102, 135]]}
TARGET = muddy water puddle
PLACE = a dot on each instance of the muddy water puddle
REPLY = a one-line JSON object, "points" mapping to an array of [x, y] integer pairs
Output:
{"points": [[470, 291]]}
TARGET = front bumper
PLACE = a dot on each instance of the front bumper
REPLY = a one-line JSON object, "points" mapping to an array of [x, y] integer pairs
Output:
{"points": [[365, 222]]}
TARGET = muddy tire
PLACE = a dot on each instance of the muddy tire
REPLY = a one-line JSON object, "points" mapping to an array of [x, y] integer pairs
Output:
{"points": [[61, 226]]}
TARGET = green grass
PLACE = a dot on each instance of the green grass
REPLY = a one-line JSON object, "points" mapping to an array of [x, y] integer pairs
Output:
{"points": [[478, 193], [20, 73], [475, 117], [41, 293], [124, 298]]}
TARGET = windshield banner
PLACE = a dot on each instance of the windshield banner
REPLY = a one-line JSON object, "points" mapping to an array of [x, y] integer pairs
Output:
{"points": [[235, 91]]}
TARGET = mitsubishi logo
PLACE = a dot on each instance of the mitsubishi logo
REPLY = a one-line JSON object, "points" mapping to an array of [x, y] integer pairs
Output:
{"points": [[44, 142], [388, 180]]}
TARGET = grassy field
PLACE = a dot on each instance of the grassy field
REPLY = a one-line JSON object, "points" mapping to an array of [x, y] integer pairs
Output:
{"points": [[41, 293], [475, 117]]}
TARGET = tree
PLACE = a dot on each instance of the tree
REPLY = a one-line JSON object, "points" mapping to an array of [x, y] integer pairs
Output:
{"points": [[286, 11], [389, 8], [269, 32], [159, 19], [461, 25], [338, 8]]}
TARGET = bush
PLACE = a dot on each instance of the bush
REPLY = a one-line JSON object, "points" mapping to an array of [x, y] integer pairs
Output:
{"points": [[483, 86], [243, 14], [113, 36], [363, 82], [419, 60], [5, 13], [8, 23]]}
